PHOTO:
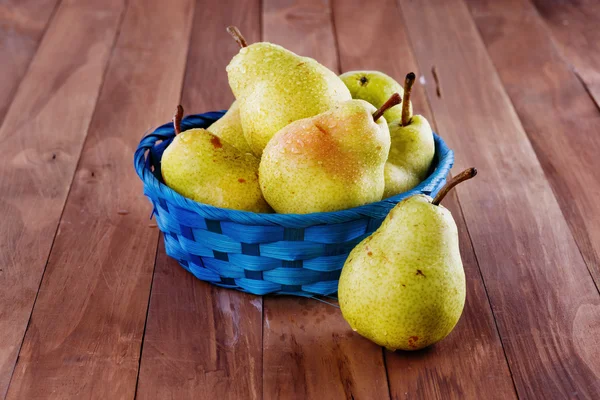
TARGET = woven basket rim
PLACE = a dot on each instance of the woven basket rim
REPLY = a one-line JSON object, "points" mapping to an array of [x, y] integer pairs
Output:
{"points": [[154, 187]]}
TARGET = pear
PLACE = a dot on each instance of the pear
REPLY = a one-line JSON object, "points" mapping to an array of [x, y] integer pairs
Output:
{"points": [[199, 166], [329, 162], [403, 287], [413, 147], [397, 180], [375, 87], [275, 87], [229, 129]]}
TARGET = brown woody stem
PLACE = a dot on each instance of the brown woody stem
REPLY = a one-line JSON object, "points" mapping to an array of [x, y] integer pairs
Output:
{"points": [[463, 176], [237, 35], [408, 84], [394, 99], [177, 119]]}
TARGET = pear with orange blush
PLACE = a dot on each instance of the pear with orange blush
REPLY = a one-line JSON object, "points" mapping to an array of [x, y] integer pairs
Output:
{"points": [[329, 162]]}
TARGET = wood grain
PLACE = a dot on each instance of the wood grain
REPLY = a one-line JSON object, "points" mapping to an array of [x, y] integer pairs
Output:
{"points": [[202, 341], [41, 137], [206, 85], [22, 25], [305, 27], [309, 350], [543, 298], [574, 27], [85, 332], [381, 44], [559, 116], [471, 360]]}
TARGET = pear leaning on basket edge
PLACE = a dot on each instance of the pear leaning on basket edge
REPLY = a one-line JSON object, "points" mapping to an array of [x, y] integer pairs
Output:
{"points": [[332, 161], [412, 149], [201, 167], [275, 87], [403, 287]]}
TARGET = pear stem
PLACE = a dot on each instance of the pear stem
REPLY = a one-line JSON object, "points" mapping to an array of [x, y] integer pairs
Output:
{"points": [[237, 36], [408, 84], [394, 99], [463, 176], [177, 119]]}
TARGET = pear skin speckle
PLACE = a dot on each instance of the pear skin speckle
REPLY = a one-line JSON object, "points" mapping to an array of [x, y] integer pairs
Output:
{"points": [[413, 147], [229, 129], [410, 292], [329, 162], [398, 180], [274, 87], [198, 165]]}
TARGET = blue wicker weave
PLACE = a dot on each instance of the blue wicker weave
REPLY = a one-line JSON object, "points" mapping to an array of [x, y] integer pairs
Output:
{"points": [[262, 253]]}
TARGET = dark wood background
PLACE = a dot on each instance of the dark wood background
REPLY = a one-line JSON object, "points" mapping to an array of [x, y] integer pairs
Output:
{"points": [[90, 305]]}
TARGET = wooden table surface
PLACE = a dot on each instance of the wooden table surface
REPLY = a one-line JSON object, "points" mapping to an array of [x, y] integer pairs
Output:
{"points": [[91, 306]]}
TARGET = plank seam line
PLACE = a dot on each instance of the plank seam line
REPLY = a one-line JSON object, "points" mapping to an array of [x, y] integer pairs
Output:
{"points": [[584, 84], [489, 301], [262, 351], [576, 74], [113, 44], [572, 68], [335, 37], [261, 33], [563, 57], [137, 379], [387, 375], [28, 67], [160, 236]]}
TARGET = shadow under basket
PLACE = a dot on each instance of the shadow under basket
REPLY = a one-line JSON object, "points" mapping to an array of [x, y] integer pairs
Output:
{"points": [[263, 253]]}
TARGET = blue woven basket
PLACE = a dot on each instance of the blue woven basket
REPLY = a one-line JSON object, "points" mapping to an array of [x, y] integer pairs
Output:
{"points": [[262, 253]]}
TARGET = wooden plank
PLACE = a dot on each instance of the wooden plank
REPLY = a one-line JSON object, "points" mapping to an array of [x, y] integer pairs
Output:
{"points": [[22, 25], [574, 27], [309, 350], [471, 359], [41, 137], [381, 45], [202, 341], [206, 86], [304, 27], [311, 353], [543, 298], [85, 332], [559, 116]]}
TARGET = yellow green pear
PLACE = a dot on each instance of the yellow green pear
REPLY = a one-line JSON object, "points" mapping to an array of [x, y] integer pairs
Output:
{"points": [[413, 146], [403, 287], [275, 87], [397, 180], [329, 162], [199, 166], [412, 149], [375, 87], [229, 129]]}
